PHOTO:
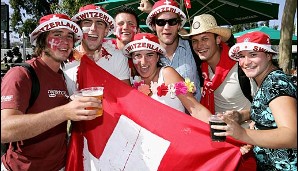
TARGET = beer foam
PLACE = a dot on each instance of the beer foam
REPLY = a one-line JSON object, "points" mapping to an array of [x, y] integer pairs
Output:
{"points": [[92, 92]]}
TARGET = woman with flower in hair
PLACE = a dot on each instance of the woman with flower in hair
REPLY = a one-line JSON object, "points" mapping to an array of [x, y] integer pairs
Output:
{"points": [[163, 84]]}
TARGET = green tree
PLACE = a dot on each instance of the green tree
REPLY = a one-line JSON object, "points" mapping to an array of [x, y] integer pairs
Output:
{"points": [[28, 12], [287, 27], [70, 7], [241, 27]]}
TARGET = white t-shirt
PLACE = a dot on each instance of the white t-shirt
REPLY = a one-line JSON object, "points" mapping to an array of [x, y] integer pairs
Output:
{"points": [[167, 99], [117, 65], [229, 96]]}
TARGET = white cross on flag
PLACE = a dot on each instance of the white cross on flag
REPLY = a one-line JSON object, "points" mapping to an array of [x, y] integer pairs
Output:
{"points": [[137, 133], [187, 4]]}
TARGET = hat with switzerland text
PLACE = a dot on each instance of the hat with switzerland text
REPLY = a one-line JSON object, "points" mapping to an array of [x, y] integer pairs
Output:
{"points": [[254, 41], [143, 41], [165, 6], [56, 21], [93, 11]]}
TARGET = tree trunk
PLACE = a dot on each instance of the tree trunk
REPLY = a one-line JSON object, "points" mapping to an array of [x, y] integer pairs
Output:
{"points": [[285, 43]]}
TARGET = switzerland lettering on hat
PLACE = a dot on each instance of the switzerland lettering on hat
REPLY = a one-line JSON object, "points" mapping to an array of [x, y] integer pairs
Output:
{"points": [[253, 41], [143, 41], [93, 11], [56, 21], [165, 6]]}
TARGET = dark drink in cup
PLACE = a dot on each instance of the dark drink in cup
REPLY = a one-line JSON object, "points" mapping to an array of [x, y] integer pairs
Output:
{"points": [[214, 120]]}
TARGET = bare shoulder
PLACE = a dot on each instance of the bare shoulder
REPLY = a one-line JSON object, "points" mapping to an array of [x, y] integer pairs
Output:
{"points": [[171, 75]]}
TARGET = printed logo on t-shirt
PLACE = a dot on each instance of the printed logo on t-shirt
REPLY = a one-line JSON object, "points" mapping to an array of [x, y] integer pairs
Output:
{"points": [[57, 93], [6, 98]]}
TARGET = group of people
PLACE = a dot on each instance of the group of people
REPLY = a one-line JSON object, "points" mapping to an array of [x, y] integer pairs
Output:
{"points": [[239, 80]]}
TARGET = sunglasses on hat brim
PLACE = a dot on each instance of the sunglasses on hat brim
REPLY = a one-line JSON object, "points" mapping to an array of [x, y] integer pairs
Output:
{"points": [[163, 22]]}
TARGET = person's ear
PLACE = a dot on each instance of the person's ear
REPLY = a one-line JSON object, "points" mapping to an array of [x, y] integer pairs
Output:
{"points": [[218, 40], [106, 31], [153, 28], [269, 55], [138, 30], [158, 56]]}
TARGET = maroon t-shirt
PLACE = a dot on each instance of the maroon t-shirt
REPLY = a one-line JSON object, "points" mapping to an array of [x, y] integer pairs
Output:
{"points": [[46, 151]]}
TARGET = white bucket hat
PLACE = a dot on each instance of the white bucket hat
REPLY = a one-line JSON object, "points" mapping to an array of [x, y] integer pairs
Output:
{"points": [[56, 21], [93, 11], [255, 41], [165, 6], [143, 41]]}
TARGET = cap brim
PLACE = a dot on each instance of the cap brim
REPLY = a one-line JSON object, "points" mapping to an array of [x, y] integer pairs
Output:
{"points": [[96, 14], [56, 24], [167, 8], [238, 47], [128, 49]]}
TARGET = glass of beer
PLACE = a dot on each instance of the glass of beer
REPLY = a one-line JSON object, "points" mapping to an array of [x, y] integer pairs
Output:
{"points": [[93, 92], [214, 120]]}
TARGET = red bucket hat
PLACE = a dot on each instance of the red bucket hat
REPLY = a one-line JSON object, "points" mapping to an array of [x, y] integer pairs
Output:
{"points": [[56, 21], [165, 6], [255, 41], [93, 11], [143, 41]]}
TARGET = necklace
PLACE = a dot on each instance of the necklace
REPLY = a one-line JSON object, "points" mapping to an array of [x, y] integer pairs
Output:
{"points": [[174, 89]]}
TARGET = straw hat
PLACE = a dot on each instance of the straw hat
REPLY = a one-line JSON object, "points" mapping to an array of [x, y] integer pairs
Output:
{"points": [[56, 21], [143, 41], [207, 23], [93, 11], [165, 6], [254, 41]]}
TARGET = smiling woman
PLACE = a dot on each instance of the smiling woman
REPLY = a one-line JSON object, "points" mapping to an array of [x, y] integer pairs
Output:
{"points": [[276, 95], [161, 83]]}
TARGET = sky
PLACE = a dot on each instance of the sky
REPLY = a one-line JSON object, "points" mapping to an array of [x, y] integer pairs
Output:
{"points": [[280, 13], [281, 3]]}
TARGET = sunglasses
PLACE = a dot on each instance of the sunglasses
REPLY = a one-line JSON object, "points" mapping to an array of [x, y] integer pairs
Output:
{"points": [[163, 22]]}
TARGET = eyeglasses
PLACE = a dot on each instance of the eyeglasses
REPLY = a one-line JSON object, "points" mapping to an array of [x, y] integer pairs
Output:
{"points": [[163, 22]]}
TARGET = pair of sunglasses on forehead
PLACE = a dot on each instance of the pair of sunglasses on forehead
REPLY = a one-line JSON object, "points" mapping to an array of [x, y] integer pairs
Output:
{"points": [[163, 22]]}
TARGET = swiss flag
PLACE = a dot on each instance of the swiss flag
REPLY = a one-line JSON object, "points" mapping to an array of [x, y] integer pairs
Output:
{"points": [[187, 4], [138, 133]]}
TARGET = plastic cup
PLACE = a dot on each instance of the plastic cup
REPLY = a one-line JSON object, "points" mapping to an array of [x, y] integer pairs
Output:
{"points": [[96, 92], [214, 120]]}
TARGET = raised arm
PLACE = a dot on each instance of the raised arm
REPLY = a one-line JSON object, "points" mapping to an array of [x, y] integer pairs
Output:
{"points": [[17, 126], [196, 109]]}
